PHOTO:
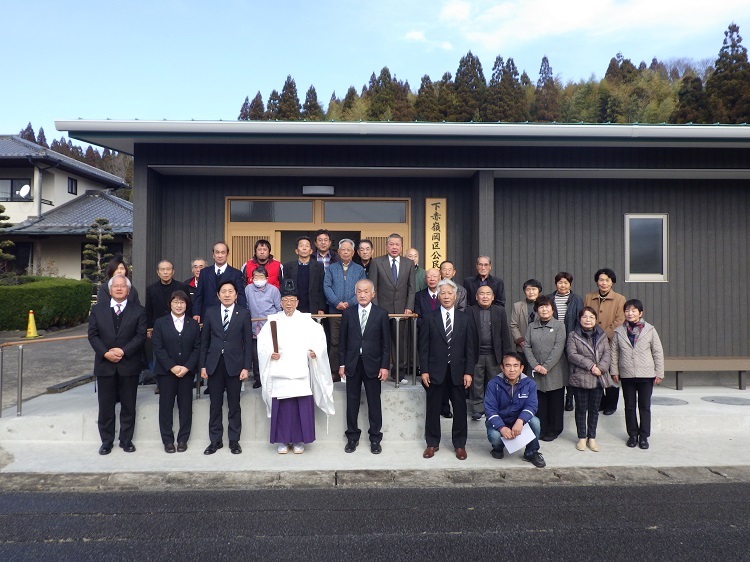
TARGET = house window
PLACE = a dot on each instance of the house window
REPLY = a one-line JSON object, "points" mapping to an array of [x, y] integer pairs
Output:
{"points": [[24, 253], [73, 186], [646, 247], [16, 190]]}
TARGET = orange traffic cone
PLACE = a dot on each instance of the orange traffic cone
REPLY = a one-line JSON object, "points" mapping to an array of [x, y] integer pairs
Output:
{"points": [[31, 329]]}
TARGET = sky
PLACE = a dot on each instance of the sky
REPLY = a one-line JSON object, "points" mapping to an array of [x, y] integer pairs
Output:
{"points": [[189, 59]]}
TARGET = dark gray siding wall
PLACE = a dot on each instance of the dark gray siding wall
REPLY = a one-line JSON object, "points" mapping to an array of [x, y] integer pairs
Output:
{"points": [[193, 210], [546, 226]]}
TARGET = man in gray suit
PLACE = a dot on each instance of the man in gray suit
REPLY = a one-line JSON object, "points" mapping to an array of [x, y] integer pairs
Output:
{"points": [[395, 286]]}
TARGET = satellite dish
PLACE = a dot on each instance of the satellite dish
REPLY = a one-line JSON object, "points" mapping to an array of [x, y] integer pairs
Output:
{"points": [[24, 191]]}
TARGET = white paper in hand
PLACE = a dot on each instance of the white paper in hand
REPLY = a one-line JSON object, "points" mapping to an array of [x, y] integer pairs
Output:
{"points": [[526, 437]]}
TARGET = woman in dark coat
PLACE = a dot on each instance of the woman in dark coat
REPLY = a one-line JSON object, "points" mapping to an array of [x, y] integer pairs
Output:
{"points": [[589, 358], [116, 266]]}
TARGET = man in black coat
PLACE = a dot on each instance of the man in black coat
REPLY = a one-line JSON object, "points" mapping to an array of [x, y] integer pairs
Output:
{"points": [[212, 277], [117, 332], [483, 277], [447, 339], [308, 275], [226, 357], [159, 293], [364, 358], [493, 341]]}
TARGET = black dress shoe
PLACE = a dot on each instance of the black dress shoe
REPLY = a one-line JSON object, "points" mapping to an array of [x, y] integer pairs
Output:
{"points": [[643, 442], [105, 449], [128, 447], [497, 453], [169, 448], [257, 384], [477, 416], [351, 446], [548, 437], [205, 391], [447, 415], [632, 441], [213, 447], [234, 446], [375, 448], [609, 412], [181, 447]]}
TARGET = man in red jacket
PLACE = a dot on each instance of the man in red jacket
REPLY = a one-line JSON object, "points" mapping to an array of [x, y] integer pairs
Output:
{"points": [[263, 256]]}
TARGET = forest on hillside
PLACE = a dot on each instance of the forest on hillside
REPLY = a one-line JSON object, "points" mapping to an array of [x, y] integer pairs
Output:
{"points": [[674, 91]]}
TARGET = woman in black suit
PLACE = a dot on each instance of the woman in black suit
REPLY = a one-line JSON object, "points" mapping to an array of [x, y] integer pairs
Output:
{"points": [[116, 266], [176, 341]]}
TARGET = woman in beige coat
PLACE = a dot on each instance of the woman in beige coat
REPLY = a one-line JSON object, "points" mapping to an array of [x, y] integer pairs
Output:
{"points": [[638, 363]]}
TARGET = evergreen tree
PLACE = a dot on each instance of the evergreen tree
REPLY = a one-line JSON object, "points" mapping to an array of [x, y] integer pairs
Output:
{"points": [[513, 106], [546, 106], [257, 109], [470, 87], [41, 139], [446, 98], [382, 96], [403, 106], [426, 105], [349, 101], [311, 109], [691, 107], [92, 157], [95, 256], [27, 133], [728, 88], [334, 108], [493, 95], [5, 257], [245, 110], [272, 109], [289, 106]]}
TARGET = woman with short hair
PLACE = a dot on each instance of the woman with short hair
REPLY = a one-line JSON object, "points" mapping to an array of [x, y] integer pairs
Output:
{"points": [[116, 266]]}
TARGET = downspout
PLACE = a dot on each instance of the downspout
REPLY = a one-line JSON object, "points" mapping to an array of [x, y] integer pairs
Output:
{"points": [[37, 181]]}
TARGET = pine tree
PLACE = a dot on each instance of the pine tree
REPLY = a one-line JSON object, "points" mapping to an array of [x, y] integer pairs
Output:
{"points": [[311, 109], [272, 110], [546, 106], [41, 139], [257, 109], [492, 99], [470, 87], [426, 106], [691, 106], [289, 106], [403, 107], [95, 256], [381, 95], [28, 133], [5, 257], [446, 98], [92, 157], [245, 110], [513, 106], [347, 104], [728, 88]]}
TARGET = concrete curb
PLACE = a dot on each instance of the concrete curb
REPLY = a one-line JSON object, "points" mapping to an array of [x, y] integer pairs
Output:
{"points": [[448, 478]]}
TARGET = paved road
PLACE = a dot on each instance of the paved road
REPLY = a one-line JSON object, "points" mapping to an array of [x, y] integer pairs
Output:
{"points": [[686, 522]]}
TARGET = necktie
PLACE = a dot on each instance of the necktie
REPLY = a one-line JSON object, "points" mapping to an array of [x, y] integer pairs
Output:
{"points": [[118, 309], [218, 272], [394, 271], [433, 304], [226, 319], [363, 321], [448, 333]]}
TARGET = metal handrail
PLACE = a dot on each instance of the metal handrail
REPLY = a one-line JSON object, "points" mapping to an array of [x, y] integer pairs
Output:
{"points": [[21, 344]]}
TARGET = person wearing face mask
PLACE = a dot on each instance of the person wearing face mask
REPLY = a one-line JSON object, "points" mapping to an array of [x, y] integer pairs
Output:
{"points": [[638, 363], [545, 352], [609, 306], [263, 299]]}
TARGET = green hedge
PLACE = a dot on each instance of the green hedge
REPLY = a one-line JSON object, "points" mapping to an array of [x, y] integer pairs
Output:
{"points": [[55, 302]]}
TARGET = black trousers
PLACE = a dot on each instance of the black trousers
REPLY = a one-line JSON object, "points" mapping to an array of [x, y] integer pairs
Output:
{"points": [[171, 388], [354, 382], [256, 362], [221, 382], [551, 411], [109, 389], [637, 391], [457, 395], [610, 399]]}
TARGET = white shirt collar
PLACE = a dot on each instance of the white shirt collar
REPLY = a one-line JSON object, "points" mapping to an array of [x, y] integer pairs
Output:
{"points": [[217, 268], [230, 308], [367, 308], [113, 304], [444, 311]]}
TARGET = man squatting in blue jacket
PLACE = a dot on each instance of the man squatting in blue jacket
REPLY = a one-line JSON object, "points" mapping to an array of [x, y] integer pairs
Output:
{"points": [[509, 402]]}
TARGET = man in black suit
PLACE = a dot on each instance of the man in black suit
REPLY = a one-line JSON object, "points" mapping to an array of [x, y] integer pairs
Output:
{"points": [[364, 358], [447, 339], [226, 357], [493, 341], [212, 277], [117, 332], [307, 274], [159, 293], [426, 300], [483, 277]]}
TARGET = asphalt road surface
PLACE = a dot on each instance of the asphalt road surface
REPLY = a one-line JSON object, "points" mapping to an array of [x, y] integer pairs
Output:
{"points": [[669, 522]]}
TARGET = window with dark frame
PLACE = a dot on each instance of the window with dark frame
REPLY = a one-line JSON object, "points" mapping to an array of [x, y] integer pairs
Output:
{"points": [[11, 189], [73, 186], [646, 247]]}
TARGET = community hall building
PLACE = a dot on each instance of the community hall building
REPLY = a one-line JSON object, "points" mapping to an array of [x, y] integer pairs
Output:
{"points": [[665, 206]]}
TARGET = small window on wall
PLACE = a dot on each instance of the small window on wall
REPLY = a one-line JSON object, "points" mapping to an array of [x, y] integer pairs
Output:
{"points": [[73, 186], [646, 247]]}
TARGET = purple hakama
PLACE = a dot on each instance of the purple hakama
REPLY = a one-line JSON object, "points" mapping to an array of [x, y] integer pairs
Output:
{"points": [[293, 420]]}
